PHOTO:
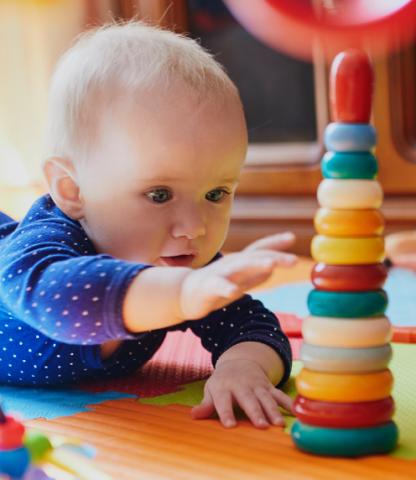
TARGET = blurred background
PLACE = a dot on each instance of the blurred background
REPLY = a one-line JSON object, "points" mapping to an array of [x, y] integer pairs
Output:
{"points": [[285, 100]]}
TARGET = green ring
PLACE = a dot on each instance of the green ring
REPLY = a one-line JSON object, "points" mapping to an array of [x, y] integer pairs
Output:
{"points": [[345, 442], [323, 303], [349, 165]]}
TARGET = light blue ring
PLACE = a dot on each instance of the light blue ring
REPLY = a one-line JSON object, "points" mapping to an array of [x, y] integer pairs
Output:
{"points": [[349, 137]]}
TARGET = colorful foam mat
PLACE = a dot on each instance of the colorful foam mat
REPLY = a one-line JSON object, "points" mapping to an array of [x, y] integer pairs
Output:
{"points": [[174, 377], [155, 438]]}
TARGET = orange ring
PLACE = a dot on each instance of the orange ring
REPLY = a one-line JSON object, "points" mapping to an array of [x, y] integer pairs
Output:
{"points": [[349, 223], [344, 387]]}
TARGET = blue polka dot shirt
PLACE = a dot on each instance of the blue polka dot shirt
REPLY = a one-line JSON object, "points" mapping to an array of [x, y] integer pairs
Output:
{"points": [[60, 300]]}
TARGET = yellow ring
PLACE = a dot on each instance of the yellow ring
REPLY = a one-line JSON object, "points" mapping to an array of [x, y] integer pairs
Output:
{"points": [[350, 194], [347, 251], [347, 332], [349, 223], [344, 387]]}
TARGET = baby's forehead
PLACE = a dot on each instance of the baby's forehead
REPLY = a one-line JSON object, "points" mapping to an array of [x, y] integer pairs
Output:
{"points": [[172, 108], [163, 135], [169, 120]]}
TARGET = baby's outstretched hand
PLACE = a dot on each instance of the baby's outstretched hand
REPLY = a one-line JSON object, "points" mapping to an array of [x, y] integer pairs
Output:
{"points": [[243, 383], [227, 279], [401, 249], [277, 242]]}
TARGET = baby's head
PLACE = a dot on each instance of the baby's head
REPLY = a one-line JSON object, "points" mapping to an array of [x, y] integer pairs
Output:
{"points": [[146, 142]]}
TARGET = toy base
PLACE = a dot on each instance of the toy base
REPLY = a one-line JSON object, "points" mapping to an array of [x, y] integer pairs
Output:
{"points": [[348, 442]]}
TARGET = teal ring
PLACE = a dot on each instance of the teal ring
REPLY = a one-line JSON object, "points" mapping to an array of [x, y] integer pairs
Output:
{"points": [[345, 442], [346, 165], [323, 303], [349, 137]]}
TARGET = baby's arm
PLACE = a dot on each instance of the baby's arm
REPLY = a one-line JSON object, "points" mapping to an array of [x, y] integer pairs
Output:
{"points": [[245, 375], [164, 296]]}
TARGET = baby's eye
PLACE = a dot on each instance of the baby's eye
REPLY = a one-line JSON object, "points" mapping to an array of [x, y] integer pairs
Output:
{"points": [[159, 195], [216, 195]]}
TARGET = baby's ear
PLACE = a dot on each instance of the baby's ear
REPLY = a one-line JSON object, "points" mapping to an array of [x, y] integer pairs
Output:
{"points": [[63, 186]]}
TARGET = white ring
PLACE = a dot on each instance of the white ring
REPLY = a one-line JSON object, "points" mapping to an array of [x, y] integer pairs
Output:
{"points": [[350, 194], [347, 332]]}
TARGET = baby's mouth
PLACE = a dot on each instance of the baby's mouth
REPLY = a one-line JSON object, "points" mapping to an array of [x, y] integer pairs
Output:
{"points": [[178, 260]]}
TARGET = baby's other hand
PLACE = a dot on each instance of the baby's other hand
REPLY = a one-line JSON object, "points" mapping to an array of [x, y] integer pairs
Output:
{"points": [[227, 279], [401, 249], [243, 383]]}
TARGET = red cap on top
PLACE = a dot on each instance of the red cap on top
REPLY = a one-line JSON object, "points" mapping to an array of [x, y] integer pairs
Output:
{"points": [[351, 87]]}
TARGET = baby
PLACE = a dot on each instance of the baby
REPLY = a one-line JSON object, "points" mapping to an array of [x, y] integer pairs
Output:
{"points": [[147, 140]]}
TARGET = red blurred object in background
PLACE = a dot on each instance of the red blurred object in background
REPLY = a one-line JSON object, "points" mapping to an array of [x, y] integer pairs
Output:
{"points": [[297, 26]]}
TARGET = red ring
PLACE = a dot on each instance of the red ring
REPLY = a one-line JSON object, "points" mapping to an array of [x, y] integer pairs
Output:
{"points": [[343, 415], [351, 278]]}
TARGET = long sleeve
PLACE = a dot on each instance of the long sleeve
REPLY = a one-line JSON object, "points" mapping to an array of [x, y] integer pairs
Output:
{"points": [[53, 280], [244, 320]]}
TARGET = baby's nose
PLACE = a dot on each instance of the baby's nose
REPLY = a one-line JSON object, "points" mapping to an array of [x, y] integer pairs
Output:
{"points": [[189, 224]]}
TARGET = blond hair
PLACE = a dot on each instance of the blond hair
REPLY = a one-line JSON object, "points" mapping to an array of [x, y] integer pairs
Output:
{"points": [[122, 57]]}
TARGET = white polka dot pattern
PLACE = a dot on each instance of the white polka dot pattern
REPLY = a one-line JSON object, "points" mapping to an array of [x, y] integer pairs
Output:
{"points": [[60, 300]]}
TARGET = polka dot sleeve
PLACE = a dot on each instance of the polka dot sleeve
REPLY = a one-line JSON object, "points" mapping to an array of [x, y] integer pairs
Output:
{"points": [[246, 320], [52, 279]]}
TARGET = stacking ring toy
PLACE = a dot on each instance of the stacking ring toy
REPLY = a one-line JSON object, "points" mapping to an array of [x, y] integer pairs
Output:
{"points": [[347, 332], [350, 278], [344, 387], [372, 303], [349, 165], [349, 223], [349, 137], [347, 251], [345, 360], [345, 442], [349, 194], [343, 415]]}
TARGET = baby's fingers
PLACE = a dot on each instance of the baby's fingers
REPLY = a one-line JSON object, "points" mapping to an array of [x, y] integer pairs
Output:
{"points": [[282, 399], [252, 408], [270, 406], [223, 403], [405, 260], [280, 241], [205, 409], [259, 260], [248, 271]]}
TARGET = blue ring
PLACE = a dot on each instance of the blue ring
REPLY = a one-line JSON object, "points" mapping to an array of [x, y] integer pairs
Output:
{"points": [[349, 137], [323, 303], [345, 442], [349, 165]]}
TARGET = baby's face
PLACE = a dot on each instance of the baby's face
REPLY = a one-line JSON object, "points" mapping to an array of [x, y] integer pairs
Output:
{"points": [[159, 184]]}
